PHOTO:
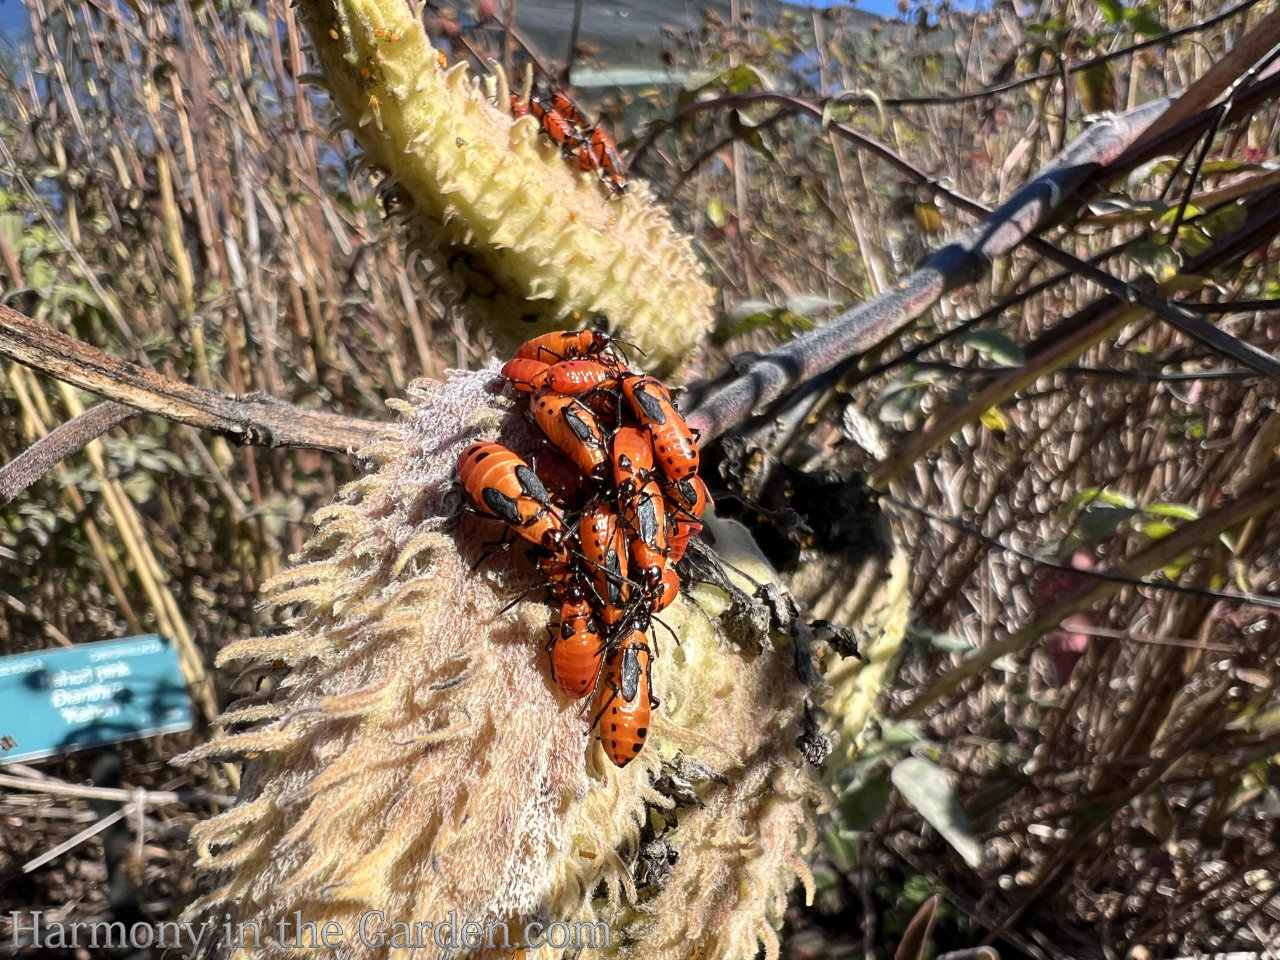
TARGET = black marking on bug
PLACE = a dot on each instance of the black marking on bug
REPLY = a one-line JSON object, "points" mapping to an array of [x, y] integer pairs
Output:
{"points": [[614, 577], [531, 486], [631, 670], [647, 520], [502, 506], [587, 432], [648, 406]]}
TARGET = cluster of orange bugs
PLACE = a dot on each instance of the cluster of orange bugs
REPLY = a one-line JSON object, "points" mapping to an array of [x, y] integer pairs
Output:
{"points": [[609, 509], [564, 123]]}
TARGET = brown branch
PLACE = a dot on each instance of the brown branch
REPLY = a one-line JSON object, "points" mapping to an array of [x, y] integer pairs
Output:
{"points": [[54, 447], [769, 377], [253, 419], [732, 100], [1225, 75]]}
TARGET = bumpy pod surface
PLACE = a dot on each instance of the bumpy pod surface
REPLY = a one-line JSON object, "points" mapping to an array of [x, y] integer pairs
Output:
{"points": [[523, 239], [413, 761]]}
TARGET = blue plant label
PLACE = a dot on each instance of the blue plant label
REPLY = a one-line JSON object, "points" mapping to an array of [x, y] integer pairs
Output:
{"points": [[56, 701]]}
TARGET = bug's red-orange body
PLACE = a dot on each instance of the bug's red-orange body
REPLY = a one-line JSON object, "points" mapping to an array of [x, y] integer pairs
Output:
{"points": [[668, 590], [644, 515], [562, 105], [564, 345], [526, 374], [631, 452], [573, 428], [573, 377], [674, 448], [577, 650], [604, 550], [502, 485], [623, 699], [691, 496]]}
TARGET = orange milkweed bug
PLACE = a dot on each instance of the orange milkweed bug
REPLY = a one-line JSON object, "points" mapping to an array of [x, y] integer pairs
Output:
{"points": [[562, 105], [644, 516], [623, 699], [525, 374], [564, 345], [577, 650], [588, 161], [631, 452], [604, 548], [606, 157], [691, 496], [553, 124], [579, 376], [572, 428], [674, 448], [503, 486], [518, 109]]}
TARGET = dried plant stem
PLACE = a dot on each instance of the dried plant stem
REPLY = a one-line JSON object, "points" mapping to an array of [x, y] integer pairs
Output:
{"points": [[54, 447], [256, 419], [152, 798], [1159, 554], [771, 376]]}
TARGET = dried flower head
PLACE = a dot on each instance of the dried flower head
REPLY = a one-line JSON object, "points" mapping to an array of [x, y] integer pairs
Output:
{"points": [[415, 758]]}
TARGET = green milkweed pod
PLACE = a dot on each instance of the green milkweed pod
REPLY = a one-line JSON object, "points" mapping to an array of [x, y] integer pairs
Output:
{"points": [[521, 239]]}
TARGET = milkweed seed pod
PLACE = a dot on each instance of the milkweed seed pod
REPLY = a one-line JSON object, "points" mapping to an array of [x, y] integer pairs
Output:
{"points": [[414, 761], [521, 239]]}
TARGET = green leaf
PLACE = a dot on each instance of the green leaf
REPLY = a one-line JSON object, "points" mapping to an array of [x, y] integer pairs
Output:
{"points": [[1180, 511], [1216, 167], [1192, 240], [1226, 219], [1113, 11], [902, 733], [715, 212], [926, 786], [1155, 529], [1100, 520], [862, 807], [745, 79], [996, 345], [1144, 20], [744, 317], [916, 938], [1171, 213], [1159, 261], [1098, 495], [994, 420], [841, 849]]}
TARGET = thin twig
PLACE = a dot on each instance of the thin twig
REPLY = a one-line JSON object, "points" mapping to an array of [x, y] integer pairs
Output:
{"points": [[71, 437], [964, 259], [73, 842], [254, 419], [151, 798]]}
